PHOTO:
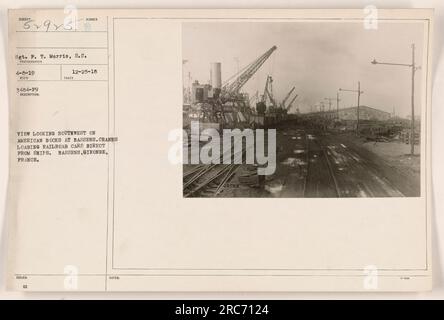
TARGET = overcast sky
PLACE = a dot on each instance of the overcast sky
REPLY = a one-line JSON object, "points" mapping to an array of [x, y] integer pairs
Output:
{"points": [[316, 57]]}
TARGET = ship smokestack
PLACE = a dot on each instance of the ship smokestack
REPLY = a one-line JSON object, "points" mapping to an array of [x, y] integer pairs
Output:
{"points": [[216, 75]]}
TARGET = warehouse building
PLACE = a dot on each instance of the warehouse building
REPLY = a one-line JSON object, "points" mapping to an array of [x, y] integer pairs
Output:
{"points": [[365, 113], [350, 114]]}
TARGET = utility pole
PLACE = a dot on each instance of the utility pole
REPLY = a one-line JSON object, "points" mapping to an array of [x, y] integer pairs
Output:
{"points": [[414, 69], [329, 104], [357, 109], [337, 105], [359, 92]]}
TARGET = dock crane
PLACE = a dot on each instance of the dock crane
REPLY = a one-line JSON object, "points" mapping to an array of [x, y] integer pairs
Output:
{"points": [[268, 93], [227, 105], [254, 98], [291, 103], [230, 89], [286, 98]]}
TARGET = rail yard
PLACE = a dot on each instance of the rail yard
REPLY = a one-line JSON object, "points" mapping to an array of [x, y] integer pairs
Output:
{"points": [[327, 152]]}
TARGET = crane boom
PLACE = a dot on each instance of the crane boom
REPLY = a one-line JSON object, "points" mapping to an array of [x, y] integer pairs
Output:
{"points": [[270, 96], [287, 96], [232, 86], [264, 96], [291, 102], [268, 92]]}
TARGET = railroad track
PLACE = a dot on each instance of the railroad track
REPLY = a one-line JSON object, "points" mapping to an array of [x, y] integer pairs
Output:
{"points": [[315, 179], [208, 180], [332, 174]]}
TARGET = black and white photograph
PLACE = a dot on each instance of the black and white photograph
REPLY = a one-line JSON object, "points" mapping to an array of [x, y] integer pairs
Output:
{"points": [[223, 153], [302, 109]]}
